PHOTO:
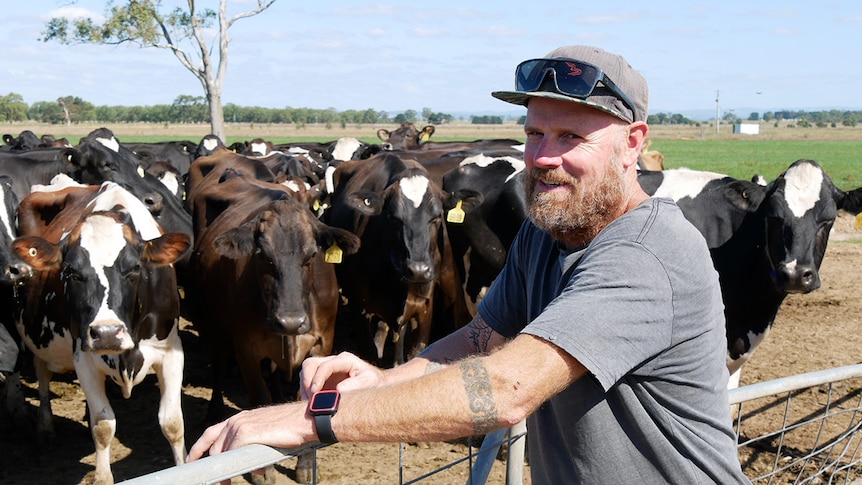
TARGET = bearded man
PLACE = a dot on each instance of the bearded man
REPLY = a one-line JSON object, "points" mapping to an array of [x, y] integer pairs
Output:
{"points": [[605, 329]]}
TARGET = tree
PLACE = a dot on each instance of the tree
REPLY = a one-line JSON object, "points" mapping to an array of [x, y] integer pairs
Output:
{"points": [[13, 108], [143, 23]]}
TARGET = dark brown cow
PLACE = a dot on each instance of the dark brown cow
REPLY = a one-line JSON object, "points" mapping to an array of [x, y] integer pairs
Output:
{"points": [[403, 273], [262, 289], [102, 300]]}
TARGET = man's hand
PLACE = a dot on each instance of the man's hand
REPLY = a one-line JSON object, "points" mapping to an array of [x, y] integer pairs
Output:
{"points": [[345, 372], [281, 426]]}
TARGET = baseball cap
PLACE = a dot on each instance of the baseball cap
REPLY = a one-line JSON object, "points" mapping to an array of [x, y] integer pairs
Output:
{"points": [[616, 87]]}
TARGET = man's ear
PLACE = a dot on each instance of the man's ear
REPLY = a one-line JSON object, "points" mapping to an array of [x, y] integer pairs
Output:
{"points": [[637, 135]]}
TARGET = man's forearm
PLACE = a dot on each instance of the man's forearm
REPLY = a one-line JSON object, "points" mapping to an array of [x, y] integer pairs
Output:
{"points": [[474, 338]]}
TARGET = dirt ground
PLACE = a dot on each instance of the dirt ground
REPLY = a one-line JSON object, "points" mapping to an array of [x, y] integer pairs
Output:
{"points": [[812, 332]]}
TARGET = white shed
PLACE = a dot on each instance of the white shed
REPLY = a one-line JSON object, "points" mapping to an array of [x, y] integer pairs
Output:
{"points": [[747, 128]]}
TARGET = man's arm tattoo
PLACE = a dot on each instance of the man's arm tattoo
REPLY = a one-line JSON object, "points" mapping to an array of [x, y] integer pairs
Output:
{"points": [[479, 333], [477, 383]]}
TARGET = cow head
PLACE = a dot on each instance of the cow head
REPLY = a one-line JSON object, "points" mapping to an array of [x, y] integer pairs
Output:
{"points": [[799, 213], [106, 269], [412, 207], [406, 137], [284, 245]]}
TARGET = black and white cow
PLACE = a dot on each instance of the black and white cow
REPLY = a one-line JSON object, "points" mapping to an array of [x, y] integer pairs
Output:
{"points": [[766, 241], [102, 301], [482, 237]]}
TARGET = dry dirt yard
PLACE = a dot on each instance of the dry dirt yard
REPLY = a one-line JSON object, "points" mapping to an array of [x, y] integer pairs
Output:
{"points": [[812, 332]]}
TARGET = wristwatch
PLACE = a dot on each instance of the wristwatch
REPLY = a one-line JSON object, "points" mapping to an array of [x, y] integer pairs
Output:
{"points": [[322, 406]]}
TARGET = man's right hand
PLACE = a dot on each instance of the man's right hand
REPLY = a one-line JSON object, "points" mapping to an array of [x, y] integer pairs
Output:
{"points": [[345, 372]]}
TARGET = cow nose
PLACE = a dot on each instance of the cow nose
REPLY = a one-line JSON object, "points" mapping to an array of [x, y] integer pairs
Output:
{"points": [[16, 273], [153, 201], [292, 323], [799, 278], [419, 271], [106, 339]]}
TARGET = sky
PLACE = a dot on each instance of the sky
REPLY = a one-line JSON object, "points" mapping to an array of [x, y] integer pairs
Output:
{"points": [[447, 56]]}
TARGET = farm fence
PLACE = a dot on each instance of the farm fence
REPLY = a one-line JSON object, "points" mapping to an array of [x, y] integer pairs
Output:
{"points": [[815, 440]]}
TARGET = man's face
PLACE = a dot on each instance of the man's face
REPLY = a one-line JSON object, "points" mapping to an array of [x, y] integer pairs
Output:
{"points": [[576, 181]]}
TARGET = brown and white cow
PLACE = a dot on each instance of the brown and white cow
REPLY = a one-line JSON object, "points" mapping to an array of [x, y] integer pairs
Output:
{"points": [[403, 275], [262, 289], [102, 301]]}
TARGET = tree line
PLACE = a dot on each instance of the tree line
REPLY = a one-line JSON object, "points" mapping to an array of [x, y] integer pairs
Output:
{"points": [[194, 109]]}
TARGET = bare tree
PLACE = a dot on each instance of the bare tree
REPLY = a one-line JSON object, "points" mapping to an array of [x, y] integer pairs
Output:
{"points": [[141, 22]]}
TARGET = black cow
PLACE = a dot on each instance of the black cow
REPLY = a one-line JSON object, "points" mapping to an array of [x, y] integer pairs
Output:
{"points": [[403, 273], [178, 153], [489, 224], [766, 241]]}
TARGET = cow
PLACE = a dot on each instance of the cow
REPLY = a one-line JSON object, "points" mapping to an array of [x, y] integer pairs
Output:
{"points": [[33, 167], [179, 154], [102, 301], [263, 289], [403, 274], [650, 159], [26, 140], [481, 237], [406, 137], [765, 241]]}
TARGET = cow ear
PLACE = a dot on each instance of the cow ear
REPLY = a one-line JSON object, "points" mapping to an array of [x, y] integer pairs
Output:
{"points": [[40, 254], [366, 202], [166, 249], [470, 199], [383, 134], [236, 243], [346, 240], [850, 201]]}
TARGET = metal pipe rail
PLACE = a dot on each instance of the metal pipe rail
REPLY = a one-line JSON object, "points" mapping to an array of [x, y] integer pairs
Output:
{"points": [[213, 469]]}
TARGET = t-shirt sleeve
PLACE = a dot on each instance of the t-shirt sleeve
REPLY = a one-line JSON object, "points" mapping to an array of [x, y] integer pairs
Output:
{"points": [[614, 313]]}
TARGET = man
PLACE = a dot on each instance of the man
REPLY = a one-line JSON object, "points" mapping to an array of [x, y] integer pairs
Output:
{"points": [[605, 328]]}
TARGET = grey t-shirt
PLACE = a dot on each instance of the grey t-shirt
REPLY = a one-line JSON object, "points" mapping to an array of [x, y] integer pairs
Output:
{"points": [[640, 307]]}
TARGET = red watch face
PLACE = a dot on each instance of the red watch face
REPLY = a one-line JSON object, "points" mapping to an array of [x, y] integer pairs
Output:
{"points": [[324, 402]]}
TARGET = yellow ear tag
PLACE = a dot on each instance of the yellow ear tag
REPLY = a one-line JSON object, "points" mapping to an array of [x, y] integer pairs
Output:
{"points": [[858, 222], [316, 205], [456, 214], [333, 254]]}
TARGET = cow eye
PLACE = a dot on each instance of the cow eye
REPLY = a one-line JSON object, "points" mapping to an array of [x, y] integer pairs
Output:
{"points": [[133, 272], [68, 274]]}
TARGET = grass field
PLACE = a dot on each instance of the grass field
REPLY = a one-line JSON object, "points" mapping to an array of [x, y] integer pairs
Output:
{"points": [[769, 153]]}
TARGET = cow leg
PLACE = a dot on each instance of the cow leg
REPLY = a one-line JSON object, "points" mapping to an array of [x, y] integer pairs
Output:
{"points": [[14, 407], [306, 467], [45, 416], [170, 374], [103, 422], [255, 385]]}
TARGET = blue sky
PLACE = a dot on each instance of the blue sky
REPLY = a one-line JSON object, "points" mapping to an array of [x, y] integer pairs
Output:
{"points": [[449, 55]]}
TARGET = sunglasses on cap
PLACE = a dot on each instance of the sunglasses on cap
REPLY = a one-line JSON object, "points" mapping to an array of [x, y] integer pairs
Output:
{"points": [[572, 78]]}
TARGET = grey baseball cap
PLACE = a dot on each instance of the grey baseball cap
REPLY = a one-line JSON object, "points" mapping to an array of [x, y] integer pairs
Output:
{"points": [[615, 67]]}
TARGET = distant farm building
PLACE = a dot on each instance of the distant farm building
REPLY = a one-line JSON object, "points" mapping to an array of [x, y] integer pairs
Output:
{"points": [[746, 128]]}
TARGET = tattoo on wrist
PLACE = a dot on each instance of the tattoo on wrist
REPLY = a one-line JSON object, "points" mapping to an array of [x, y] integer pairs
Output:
{"points": [[477, 383]]}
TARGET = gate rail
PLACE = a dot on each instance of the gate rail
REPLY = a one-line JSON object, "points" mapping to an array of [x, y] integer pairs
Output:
{"points": [[834, 455]]}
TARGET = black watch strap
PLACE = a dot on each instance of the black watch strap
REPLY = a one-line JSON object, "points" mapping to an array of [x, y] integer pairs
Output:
{"points": [[323, 423]]}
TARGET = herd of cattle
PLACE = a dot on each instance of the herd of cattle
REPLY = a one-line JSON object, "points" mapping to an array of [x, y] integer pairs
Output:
{"points": [[280, 252]]}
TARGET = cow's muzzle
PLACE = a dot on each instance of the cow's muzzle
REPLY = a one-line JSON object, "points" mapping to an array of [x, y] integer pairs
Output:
{"points": [[107, 338], [290, 323], [797, 278]]}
